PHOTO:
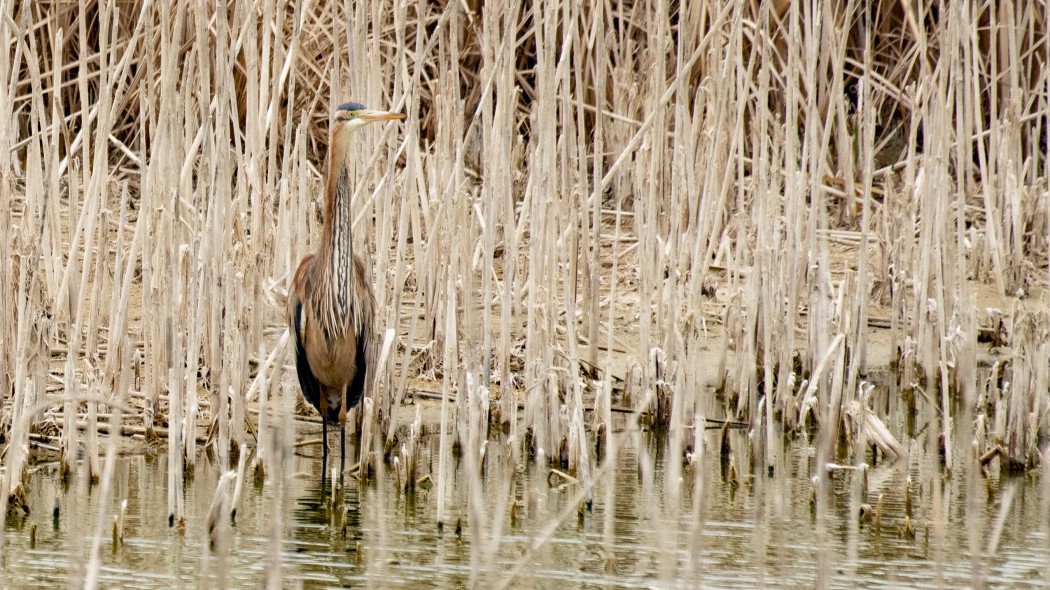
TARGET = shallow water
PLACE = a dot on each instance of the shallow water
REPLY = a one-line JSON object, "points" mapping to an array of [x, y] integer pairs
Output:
{"points": [[760, 531]]}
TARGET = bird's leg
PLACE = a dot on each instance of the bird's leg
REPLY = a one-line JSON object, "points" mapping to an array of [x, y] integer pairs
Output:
{"points": [[342, 450], [324, 439], [342, 436]]}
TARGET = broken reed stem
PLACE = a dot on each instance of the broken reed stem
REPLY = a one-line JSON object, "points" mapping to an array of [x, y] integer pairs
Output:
{"points": [[112, 449], [443, 443]]}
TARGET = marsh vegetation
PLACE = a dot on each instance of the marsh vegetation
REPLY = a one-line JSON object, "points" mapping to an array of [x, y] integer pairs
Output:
{"points": [[807, 242]]}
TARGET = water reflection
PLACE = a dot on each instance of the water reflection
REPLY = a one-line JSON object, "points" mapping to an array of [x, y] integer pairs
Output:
{"points": [[755, 530]]}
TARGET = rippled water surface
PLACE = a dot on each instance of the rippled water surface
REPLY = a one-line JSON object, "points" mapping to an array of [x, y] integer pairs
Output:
{"points": [[756, 530]]}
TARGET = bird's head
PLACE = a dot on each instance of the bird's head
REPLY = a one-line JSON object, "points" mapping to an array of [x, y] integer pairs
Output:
{"points": [[352, 116]]}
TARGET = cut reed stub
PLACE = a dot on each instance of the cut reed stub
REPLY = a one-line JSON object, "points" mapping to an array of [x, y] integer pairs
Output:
{"points": [[907, 496], [907, 529], [609, 563], [120, 520], [878, 515], [724, 445], [425, 482], [215, 522], [18, 502]]}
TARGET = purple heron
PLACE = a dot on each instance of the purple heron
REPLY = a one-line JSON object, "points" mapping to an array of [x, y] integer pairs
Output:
{"points": [[331, 308]]}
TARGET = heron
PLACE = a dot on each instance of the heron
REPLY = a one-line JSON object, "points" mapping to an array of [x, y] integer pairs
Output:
{"points": [[331, 307]]}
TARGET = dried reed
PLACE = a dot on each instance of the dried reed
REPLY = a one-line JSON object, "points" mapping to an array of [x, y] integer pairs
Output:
{"points": [[578, 192]]}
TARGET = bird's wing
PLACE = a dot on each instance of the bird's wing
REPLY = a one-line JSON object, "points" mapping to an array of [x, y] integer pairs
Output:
{"points": [[357, 386], [297, 322], [307, 381], [365, 354]]}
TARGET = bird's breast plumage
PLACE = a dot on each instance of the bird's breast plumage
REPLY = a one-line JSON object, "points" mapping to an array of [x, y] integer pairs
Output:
{"points": [[333, 326]]}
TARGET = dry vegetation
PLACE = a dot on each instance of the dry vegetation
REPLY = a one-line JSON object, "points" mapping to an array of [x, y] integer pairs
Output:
{"points": [[612, 190]]}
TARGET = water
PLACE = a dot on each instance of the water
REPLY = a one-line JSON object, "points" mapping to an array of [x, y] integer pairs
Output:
{"points": [[759, 531]]}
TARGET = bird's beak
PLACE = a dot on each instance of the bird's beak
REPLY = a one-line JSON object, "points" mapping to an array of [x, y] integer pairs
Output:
{"points": [[380, 116]]}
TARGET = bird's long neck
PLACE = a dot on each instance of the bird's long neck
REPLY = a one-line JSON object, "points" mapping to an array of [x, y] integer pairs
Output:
{"points": [[336, 252]]}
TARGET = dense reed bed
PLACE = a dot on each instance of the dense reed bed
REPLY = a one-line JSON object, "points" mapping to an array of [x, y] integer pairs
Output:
{"points": [[685, 211]]}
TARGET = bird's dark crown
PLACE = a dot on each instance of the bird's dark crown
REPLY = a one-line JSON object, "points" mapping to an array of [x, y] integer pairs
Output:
{"points": [[351, 106]]}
